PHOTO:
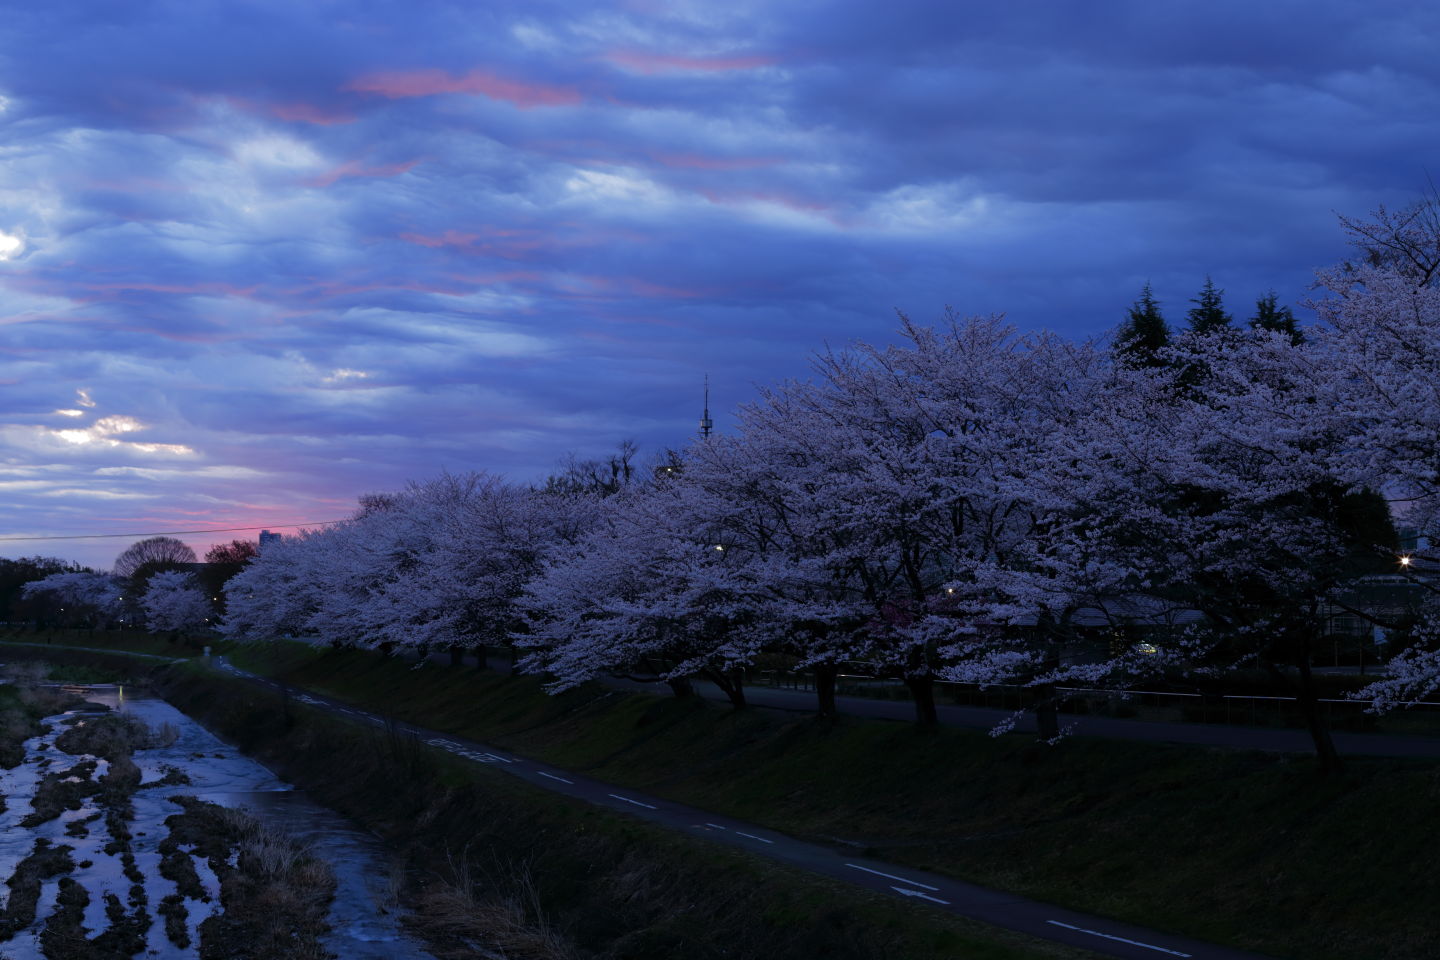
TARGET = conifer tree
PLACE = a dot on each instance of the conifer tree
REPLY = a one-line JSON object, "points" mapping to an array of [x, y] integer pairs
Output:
{"points": [[1144, 333], [1269, 315], [1208, 315]]}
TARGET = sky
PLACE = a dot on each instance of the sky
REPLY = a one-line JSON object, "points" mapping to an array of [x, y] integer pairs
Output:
{"points": [[258, 258]]}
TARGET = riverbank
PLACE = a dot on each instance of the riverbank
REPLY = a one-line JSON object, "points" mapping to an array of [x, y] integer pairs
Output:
{"points": [[122, 834], [1252, 850], [591, 883], [1248, 849]]}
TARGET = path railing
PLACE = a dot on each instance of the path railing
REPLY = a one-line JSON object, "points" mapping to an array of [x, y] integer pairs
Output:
{"points": [[1156, 705]]}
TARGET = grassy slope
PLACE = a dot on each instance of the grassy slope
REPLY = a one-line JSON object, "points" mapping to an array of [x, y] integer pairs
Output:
{"points": [[619, 888], [1248, 849]]}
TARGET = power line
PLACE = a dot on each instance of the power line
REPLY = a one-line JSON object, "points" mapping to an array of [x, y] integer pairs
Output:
{"points": [[175, 533]]}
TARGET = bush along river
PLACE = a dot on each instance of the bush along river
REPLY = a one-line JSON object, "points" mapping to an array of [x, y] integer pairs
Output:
{"points": [[127, 829]]}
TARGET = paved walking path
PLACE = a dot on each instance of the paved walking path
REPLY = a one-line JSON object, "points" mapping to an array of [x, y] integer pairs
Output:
{"points": [[1226, 736], [1152, 731], [1102, 936]]}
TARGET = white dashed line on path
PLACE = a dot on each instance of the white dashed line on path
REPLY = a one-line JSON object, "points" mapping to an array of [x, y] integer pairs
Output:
{"points": [[636, 802], [891, 876], [1108, 936], [752, 836], [553, 777]]}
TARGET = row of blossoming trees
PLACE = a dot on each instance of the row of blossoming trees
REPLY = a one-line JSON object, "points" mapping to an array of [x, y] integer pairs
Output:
{"points": [[156, 582], [973, 504]]}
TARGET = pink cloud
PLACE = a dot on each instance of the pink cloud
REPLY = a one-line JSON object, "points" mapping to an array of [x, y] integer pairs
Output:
{"points": [[450, 238], [181, 289], [507, 244], [697, 161], [646, 289], [504, 276], [600, 286], [353, 168], [639, 61], [789, 201], [310, 113], [404, 84], [136, 185], [339, 288], [296, 112]]}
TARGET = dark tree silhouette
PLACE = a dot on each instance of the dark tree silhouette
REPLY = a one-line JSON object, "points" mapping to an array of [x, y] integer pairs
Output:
{"points": [[222, 562], [152, 553], [1143, 334], [236, 552], [1208, 314], [1269, 315]]}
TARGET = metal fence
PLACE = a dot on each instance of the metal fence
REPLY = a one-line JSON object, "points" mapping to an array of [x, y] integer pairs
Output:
{"points": [[1157, 705]]}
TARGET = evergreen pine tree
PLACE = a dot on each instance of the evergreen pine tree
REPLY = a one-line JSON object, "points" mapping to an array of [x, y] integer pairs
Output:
{"points": [[1269, 315], [1144, 333], [1208, 315]]}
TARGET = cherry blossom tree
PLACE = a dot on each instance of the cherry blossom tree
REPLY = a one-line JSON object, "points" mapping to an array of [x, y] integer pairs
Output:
{"points": [[925, 444], [82, 594], [173, 601], [276, 594], [648, 593], [484, 539], [1380, 316], [766, 497], [1233, 495]]}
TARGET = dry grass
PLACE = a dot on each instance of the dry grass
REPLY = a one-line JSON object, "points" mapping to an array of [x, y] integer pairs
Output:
{"points": [[495, 911], [26, 673]]}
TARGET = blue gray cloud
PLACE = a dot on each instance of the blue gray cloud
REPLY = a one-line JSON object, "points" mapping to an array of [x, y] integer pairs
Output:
{"points": [[295, 252]]}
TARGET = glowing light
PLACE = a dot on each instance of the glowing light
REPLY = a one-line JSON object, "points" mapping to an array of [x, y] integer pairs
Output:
{"points": [[1404, 561]]}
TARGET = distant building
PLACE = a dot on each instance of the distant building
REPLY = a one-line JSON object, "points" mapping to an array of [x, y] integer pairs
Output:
{"points": [[266, 537]]}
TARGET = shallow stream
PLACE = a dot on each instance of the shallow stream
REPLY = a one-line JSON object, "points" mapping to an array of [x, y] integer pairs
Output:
{"points": [[364, 918]]}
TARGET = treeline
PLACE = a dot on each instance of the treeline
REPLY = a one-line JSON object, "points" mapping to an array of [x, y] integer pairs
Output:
{"points": [[157, 583], [973, 504]]}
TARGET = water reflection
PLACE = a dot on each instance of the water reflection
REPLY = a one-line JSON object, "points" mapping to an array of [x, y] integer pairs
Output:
{"points": [[364, 919]]}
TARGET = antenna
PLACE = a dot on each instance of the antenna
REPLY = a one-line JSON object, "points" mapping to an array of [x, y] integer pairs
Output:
{"points": [[706, 424]]}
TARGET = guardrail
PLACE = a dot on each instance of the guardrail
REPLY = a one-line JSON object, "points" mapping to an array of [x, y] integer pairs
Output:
{"points": [[1158, 705]]}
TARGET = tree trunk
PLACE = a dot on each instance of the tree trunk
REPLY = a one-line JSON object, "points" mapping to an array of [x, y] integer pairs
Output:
{"points": [[731, 683], [457, 655], [826, 675], [682, 687], [480, 661], [1047, 716], [386, 648], [922, 689], [1325, 750]]}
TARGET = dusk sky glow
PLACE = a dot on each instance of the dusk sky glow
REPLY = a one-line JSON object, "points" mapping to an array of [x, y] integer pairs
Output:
{"points": [[259, 258]]}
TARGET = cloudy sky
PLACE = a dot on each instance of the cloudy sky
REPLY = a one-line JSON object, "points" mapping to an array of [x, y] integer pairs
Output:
{"points": [[259, 257]]}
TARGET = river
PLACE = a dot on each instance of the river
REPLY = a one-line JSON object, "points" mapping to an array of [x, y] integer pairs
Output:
{"points": [[365, 920]]}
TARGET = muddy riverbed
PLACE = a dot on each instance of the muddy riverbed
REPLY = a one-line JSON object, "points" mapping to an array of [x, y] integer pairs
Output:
{"points": [[125, 819]]}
